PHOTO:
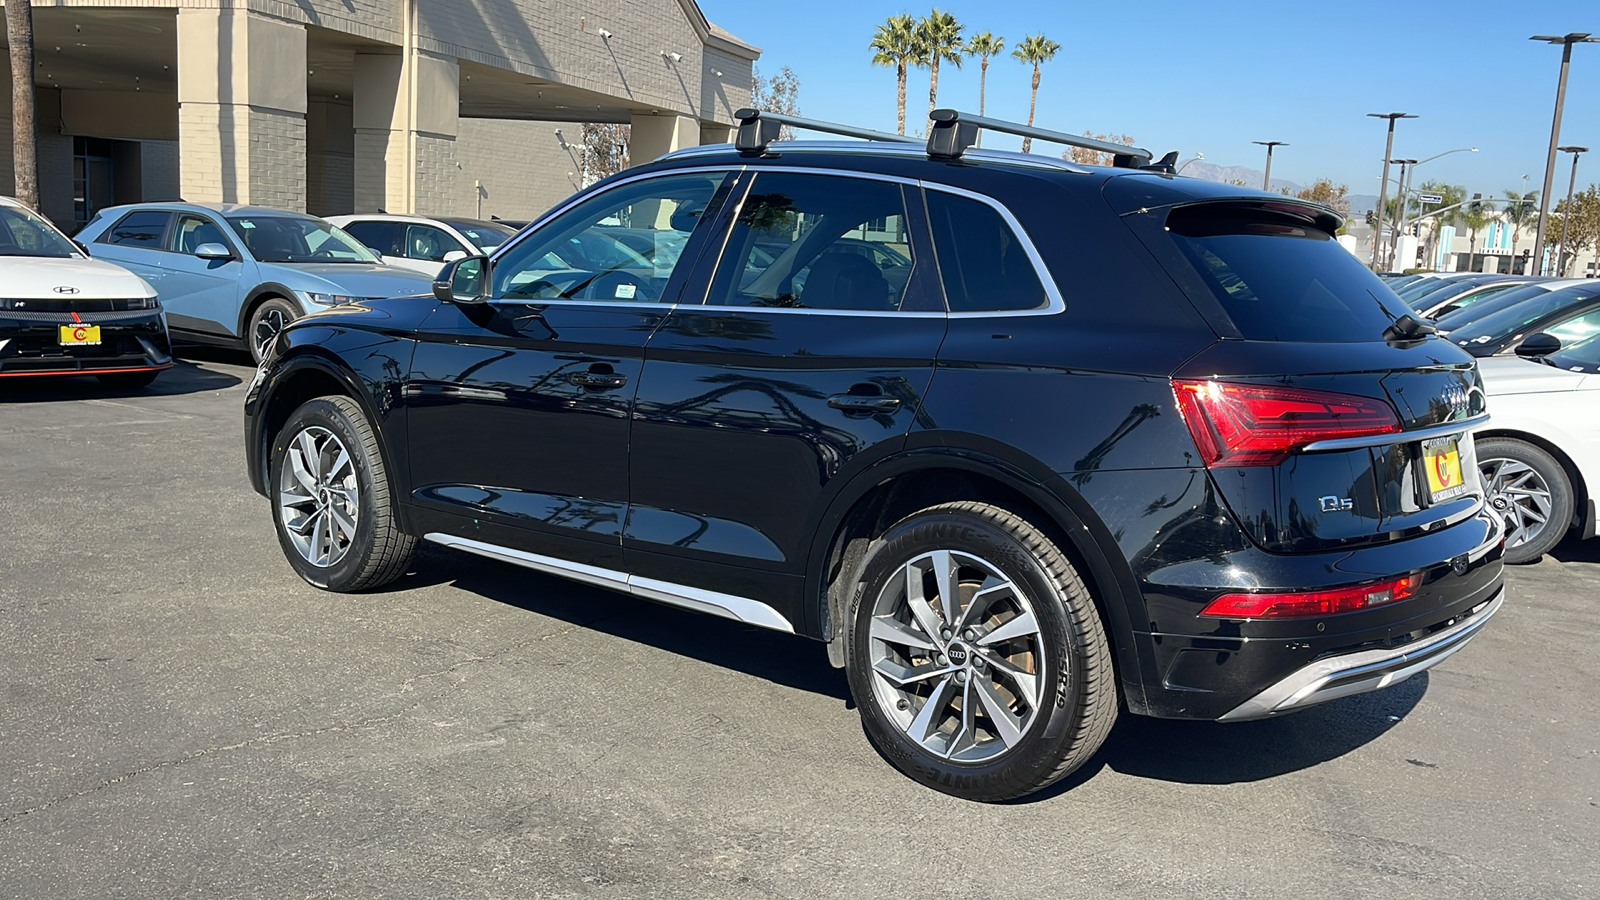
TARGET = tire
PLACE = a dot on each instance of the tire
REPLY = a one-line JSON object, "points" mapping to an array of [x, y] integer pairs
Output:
{"points": [[327, 474], [1036, 620], [127, 381], [1530, 488], [266, 320]]}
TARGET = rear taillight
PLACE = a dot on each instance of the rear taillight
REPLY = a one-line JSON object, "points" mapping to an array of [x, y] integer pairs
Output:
{"points": [[1258, 425], [1312, 603]]}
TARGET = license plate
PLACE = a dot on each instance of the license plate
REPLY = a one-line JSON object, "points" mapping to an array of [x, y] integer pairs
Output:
{"points": [[80, 335], [1441, 461]]}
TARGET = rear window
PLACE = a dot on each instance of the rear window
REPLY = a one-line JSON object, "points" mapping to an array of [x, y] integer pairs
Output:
{"points": [[1281, 278]]}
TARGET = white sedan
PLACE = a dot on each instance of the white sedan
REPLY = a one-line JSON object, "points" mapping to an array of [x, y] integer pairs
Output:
{"points": [[1540, 454], [422, 244]]}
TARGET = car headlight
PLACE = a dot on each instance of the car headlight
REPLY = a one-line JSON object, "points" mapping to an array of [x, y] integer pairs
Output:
{"points": [[142, 303], [325, 299]]}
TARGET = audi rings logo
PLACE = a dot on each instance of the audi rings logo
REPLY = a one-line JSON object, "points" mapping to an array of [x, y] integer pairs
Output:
{"points": [[1455, 396], [65, 289]]}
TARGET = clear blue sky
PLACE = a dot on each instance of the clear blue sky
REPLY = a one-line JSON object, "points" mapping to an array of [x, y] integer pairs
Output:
{"points": [[1214, 76]]}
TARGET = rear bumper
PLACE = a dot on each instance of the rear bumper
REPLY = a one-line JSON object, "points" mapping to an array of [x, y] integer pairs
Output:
{"points": [[1368, 670]]}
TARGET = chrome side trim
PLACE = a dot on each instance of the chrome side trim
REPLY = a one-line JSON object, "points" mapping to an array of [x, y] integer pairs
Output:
{"points": [[1398, 437], [728, 606], [1372, 669]]}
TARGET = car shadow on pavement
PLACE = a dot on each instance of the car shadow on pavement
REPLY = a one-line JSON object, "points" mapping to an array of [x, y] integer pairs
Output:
{"points": [[785, 659], [183, 378], [1573, 550]]}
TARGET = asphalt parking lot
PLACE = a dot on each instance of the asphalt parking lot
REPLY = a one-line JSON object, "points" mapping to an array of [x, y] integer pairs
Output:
{"points": [[180, 715]]}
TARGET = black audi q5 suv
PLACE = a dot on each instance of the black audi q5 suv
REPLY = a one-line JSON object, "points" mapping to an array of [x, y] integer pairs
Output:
{"points": [[1094, 441]]}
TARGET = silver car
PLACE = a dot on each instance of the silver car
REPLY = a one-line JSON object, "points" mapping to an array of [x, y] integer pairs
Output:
{"points": [[235, 275]]}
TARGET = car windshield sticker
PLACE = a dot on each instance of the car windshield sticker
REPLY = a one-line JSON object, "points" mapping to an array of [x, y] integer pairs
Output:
{"points": [[625, 291]]}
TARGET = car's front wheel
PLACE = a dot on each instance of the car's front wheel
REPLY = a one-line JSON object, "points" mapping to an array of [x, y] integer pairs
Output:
{"points": [[977, 657], [265, 322], [331, 503], [1531, 490]]}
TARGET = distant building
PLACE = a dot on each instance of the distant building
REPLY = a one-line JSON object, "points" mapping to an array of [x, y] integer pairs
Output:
{"points": [[464, 107]]}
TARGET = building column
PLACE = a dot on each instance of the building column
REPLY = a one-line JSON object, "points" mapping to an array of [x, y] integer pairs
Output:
{"points": [[652, 136], [405, 151], [241, 108]]}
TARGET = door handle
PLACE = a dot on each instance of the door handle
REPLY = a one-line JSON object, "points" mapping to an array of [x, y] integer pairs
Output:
{"points": [[597, 380], [864, 403]]}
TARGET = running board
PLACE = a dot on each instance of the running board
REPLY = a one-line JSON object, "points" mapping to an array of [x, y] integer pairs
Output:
{"points": [[728, 606]]}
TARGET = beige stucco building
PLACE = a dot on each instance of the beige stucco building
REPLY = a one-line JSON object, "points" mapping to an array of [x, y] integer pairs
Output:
{"points": [[464, 107]]}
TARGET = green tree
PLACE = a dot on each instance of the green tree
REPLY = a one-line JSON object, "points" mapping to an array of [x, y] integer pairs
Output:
{"points": [[1449, 195], [1521, 209], [939, 38], [1582, 221], [779, 93], [1476, 216], [19, 37], [1034, 50], [1327, 193], [895, 44], [984, 45]]}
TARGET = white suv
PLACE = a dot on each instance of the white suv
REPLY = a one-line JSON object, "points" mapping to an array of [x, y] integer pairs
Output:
{"points": [[423, 244]]}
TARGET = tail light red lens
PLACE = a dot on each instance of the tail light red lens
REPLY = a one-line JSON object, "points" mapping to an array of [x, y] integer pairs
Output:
{"points": [[1312, 603], [1258, 425]]}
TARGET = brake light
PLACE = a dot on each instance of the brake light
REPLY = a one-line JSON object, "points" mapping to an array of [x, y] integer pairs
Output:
{"points": [[1258, 425], [1312, 603]]}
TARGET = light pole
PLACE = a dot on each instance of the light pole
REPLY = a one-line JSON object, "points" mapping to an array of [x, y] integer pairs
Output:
{"points": [[1401, 198], [1266, 180], [1566, 42], [1406, 190], [1383, 184], [1562, 254], [1197, 157]]}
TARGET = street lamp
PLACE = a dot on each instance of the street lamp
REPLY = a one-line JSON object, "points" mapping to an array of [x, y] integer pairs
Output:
{"points": [[1561, 255], [1405, 189], [1383, 184], [1401, 197], [1566, 42], [1197, 158], [1266, 180]]}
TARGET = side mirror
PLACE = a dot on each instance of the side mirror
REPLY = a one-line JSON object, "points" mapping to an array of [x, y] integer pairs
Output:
{"points": [[454, 255], [1537, 345], [213, 251], [463, 281], [82, 248]]}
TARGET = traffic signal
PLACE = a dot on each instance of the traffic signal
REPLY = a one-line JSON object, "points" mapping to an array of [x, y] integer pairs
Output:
{"points": [[1371, 219]]}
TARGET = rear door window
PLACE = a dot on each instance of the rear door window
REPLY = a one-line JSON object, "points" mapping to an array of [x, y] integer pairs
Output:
{"points": [[982, 262], [140, 228], [387, 238], [1279, 277]]}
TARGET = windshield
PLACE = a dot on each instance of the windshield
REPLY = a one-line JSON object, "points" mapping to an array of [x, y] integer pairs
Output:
{"points": [[1493, 304], [1583, 356], [292, 239], [1279, 278], [1507, 322], [24, 233], [484, 235]]}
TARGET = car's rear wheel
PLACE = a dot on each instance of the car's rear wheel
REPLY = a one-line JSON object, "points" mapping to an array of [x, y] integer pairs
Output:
{"points": [[1531, 490], [978, 660], [331, 503], [127, 381], [266, 321]]}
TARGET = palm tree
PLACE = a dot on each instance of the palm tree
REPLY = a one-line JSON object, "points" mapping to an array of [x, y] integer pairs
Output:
{"points": [[19, 36], [1475, 216], [895, 44], [984, 45], [1035, 49], [1522, 210], [939, 37]]}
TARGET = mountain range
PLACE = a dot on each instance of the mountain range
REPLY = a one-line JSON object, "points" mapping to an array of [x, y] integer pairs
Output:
{"points": [[1359, 203]]}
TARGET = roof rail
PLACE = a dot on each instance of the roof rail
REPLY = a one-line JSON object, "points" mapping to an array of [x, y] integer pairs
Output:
{"points": [[955, 131], [757, 129]]}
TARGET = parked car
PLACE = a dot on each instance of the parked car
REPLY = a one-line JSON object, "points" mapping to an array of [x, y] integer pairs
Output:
{"points": [[1569, 315], [1540, 455], [235, 275], [1463, 294], [1448, 319], [1009, 506], [62, 313], [423, 244]]}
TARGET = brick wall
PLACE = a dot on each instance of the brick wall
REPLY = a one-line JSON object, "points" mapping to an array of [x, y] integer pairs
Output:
{"points": [[246, 155], [439, 191]]}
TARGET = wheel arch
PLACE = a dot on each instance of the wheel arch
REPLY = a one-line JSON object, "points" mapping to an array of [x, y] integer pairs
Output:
{"points": [[900, 485], [1580, 488], [258, 295]]}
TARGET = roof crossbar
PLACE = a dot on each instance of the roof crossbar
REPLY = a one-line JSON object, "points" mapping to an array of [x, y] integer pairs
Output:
{"points": [[954, 132], [757, 129]]}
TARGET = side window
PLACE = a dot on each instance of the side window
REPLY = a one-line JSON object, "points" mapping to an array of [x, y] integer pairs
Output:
{"points": [[620, 245], [140, 228], [1576, 329], [428, 243], [387, 238], [192, 231], [816, 242], [981, 261]]}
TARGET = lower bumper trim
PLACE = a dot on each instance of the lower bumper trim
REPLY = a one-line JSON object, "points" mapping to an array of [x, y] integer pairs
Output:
{"points": [[1366, 670]]}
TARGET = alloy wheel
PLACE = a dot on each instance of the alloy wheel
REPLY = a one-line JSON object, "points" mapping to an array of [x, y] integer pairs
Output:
{"points": [[271, 321], [957, 656], [1520, 495], [319, 501]]}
